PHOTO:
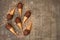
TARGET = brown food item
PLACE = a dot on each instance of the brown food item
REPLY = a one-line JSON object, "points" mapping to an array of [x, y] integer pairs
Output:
{"points": [[11, 29], [18, 20], [9, 17], [11, 14], [26, 32], [28, 29], [8, 26], [27, 14], [20, 5]]}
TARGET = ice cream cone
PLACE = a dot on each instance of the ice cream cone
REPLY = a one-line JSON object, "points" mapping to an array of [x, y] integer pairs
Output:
{"points": [[20, 7], [10, 15], [11, 29], [18, 22], [26, 16], [27, 30]]}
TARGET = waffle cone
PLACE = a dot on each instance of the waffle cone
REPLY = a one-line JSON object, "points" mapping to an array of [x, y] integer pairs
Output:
{"points": [[19, 25], [29, 26], [12, 11], [13, 31], [20, 11], [24, 19]]}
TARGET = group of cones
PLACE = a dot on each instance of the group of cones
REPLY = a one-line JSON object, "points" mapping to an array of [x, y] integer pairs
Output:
{"points": [[18, 20]]}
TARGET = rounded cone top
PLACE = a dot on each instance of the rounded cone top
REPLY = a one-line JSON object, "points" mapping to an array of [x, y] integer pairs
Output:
{"points": [[18, 20], [19, 5], [8, 26], [26, 32], [28, 13], [9, 17]]}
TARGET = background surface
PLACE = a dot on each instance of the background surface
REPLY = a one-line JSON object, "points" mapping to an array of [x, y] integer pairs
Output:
{"points": [[45, 17]]}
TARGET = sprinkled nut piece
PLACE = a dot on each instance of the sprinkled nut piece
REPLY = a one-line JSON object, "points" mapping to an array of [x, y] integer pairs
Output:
{"points": [[26, 16], [20, 7], [11, 29], [18, 22]]}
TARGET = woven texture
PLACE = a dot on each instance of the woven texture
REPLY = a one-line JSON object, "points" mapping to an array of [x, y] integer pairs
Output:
{"points": [[45, 17]]}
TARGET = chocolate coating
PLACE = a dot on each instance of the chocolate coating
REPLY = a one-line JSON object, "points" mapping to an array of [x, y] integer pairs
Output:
{"points": [[27, 14], [8, 26], [17, 20], [9, 17], [26, 32], [20, 5]]}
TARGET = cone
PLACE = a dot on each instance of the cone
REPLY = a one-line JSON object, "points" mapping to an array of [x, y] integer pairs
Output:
{"points": [[20, 11], [27, 30], [19, 25], [18, 22], [20, 7], [26, 16], [12, 11], [24, 19], [10, 15], [11, 29], [29, 26]]}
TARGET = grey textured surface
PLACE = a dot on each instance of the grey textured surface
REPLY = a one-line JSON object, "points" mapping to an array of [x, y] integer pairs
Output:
{"points": [[45, 18]]}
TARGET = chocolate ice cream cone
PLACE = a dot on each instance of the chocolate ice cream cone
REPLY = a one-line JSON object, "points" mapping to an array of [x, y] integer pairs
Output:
{"points": [[27, 30], [20, 7], [18, 22], [10, 15], [11, 29], [26, 16]]}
